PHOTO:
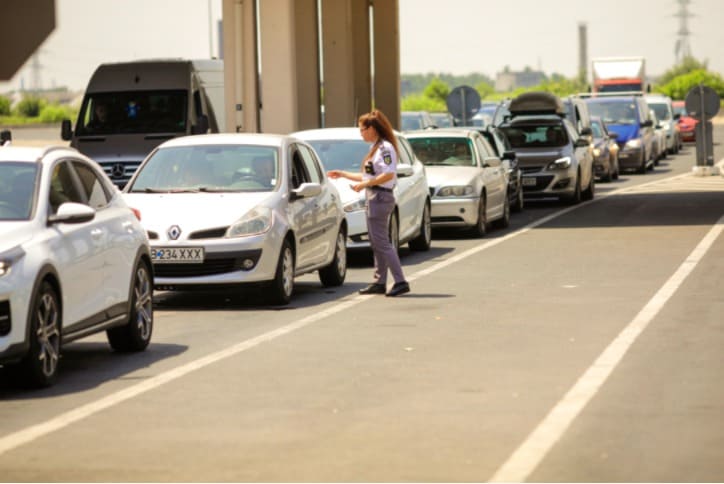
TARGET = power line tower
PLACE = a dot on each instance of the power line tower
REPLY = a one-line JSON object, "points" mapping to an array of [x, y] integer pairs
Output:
{"points": [[682, 49]]}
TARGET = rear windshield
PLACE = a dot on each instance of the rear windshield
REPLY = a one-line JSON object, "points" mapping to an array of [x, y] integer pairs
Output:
{"points": [[444, 151], [146, 112], [212, 168], [614, 112], [17, 190], [661, 110], [536, 136]]}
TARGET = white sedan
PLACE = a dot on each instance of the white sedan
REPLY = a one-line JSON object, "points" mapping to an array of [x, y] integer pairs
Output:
{"points": [[344, 149], [228, 209], [74, 260], [467, 181]]}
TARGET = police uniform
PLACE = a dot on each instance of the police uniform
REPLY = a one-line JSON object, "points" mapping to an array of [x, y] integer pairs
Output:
{"points": [[380, 204]]}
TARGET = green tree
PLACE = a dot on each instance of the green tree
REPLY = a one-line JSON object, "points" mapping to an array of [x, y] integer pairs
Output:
{"points": [[4, 106], [30, 106], [681, 85], [485, 89], [437, 90], [687, 65]]}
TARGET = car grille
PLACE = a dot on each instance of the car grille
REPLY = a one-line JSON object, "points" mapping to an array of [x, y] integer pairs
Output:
{"points": [[5, 323], [120, 171], [152, 235], [209, 234], [209, 267], [531, 169], [541, 182], [447, 219]]}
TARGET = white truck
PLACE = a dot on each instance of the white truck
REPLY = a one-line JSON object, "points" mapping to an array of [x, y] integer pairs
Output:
{"points": [[129, 108], [618, 74]]}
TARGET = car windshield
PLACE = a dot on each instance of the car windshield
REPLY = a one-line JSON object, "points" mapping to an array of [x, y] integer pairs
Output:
{"points": [[411, 122], [536, 136], [615, 112], [341, 154], [661, 110], [145, 112], [443, 151], [17, 190], [209, 168]]}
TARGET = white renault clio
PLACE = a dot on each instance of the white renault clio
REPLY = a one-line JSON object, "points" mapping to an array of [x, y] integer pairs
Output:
{"points": [[230, 209], [74, 260]]}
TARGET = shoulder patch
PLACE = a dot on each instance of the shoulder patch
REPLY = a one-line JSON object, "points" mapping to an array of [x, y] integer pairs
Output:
{"points": [[386, 157]]}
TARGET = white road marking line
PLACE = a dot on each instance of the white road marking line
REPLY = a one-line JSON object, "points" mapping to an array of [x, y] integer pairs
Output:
{"points": [[524, 460], [28, 434]]}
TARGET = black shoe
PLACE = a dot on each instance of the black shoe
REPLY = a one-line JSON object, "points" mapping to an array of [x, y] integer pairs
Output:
{"points": [[373, 289], [398, 288]]}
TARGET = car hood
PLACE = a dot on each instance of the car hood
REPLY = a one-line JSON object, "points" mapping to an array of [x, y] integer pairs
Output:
{"points": [[450, 175], [624, 131], [536, 156], [194, 211], [13, 234], [346, 194]]}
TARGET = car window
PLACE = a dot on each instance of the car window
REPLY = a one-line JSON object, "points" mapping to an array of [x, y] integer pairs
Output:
{"points": [[597, 129], [299, 172], [341, 154], [444, 151], [484, 147], [95, 191], [62, 187], [534, 136], [17, 190], [404, 151], [310, 163], [411, 122], [614, 112], [661, 110]]}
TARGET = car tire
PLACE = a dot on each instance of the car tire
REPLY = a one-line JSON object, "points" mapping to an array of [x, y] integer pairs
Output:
{"points": [[590, 190], [335, 273], [575, 199], [39, 366], [282, 287], [424, 239], [135, 335], [393, 231], [644, 163], [609, 172], [519, 202], [481, 226], [617, 170], [504, 221]]}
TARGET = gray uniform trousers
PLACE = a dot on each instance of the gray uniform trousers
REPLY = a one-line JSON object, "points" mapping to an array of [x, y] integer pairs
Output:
{"points": [[379, 208]]}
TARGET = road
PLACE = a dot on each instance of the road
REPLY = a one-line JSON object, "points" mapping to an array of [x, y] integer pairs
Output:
{"points": [[580, 344]]}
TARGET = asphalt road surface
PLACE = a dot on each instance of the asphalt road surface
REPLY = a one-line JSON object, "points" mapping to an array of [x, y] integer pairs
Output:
{"points": [[580, 344]]}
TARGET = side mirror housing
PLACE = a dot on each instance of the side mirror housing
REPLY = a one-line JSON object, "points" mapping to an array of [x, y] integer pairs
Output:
{"points": [[647, 124], [404, 169], [306, 190], [587, 131], [612, 135], [66, 131], [677, 116], [491, 161], [508, 155], [72, 213], [582, 143], [201, 126]]}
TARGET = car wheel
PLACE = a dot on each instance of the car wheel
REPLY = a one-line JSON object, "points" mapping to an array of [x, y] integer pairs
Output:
{"points": [[135, 335], [609, 171], [481, 225], [394, 231], [504, 221], [617, 169], [424, 239], [576, 197], [644, 163], [282, 286], [39, 367], [519, 202], [335, 272], [590, 191]]}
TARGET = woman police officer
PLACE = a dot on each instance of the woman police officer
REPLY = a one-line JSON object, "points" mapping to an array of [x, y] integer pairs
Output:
{"points": [[378, 177]]}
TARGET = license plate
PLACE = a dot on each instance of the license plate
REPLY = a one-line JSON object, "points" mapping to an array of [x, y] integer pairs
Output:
{"points": [[177, 255], [529, 182]]}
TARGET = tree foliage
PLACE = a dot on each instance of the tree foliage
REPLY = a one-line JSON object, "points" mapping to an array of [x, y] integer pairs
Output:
{"points": [[679, 87], [4, 106], [687, 65]]}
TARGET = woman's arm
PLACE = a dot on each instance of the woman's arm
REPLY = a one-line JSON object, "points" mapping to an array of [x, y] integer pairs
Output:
{"points": [[344, 174], [378, 180]]}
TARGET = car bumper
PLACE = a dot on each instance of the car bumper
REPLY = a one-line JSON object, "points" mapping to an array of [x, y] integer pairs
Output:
{"points": [[629, 158], [454, 212], [15, 296], [549, 183], [357, 236], [688, 135]]}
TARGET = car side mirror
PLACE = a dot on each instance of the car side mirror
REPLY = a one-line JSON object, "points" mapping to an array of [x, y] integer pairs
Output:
{"points": [[492, 162], [306, 190], [72, 213], [404, 169], [587, 131], [582, 143], [202, 125], [647, 124], [5, 136], [508, 155], [612, 135], [677, 116], [66, 131]]}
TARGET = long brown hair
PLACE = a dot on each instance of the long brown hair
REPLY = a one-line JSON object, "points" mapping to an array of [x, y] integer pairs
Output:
{"points": [[382, 126]]}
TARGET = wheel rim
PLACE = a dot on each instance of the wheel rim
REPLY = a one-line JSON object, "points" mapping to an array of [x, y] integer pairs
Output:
{"points": [[427, 224], [394, 232], [47, 334], [288, 271], [341, 254], [143, 296]]}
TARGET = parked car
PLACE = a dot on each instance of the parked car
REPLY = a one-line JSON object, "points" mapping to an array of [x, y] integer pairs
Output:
{"points": [[605, 151], [229, 209], [662, 106], [443, 120], [556, 161], [500, 144], [687, 124], [628, 116], [74, 260], [578, 114], [414, 120], [344, 149], [659, 144], [467, 181]]}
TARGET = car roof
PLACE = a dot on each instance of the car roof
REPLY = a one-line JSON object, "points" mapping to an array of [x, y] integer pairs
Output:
{"points": [[537, 102], [332, 134], [442, 133], [258, 139], [29, 154]]}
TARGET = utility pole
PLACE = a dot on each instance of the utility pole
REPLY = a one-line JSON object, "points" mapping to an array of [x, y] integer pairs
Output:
{"points": [[682, 48], [35, 69]]}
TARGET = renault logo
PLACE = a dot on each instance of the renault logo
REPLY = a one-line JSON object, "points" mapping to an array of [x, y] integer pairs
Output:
{"points": [[173, 232], [118, 170]]}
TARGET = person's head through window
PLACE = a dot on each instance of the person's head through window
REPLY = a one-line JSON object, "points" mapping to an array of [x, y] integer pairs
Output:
{"points": [[263, 167], [100, 114]]}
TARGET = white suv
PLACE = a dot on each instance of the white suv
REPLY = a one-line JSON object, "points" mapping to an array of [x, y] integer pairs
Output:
{"points": [[74, 260]]}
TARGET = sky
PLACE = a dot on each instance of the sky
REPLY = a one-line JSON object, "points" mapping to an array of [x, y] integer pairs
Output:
{"points": [[450, 36]]}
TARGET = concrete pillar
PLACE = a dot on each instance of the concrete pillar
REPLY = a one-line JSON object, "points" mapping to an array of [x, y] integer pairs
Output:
{"points": [[387, 58], [346, 56], [289, 65], [240, 66], [27, 24]]}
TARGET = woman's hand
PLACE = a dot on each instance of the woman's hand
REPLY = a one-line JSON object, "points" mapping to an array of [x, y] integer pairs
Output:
{"points": [[358, 187], [334, 174]]}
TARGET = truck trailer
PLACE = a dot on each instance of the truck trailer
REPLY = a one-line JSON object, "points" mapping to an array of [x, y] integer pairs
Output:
{"points": [[618, 74]]}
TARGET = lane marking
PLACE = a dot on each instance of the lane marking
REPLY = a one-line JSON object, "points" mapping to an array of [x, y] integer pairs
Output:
{"points": [[524, 460], [28, 434]]}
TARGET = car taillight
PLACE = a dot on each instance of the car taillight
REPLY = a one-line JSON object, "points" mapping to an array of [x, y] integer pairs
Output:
{"points": [[137, 213]]}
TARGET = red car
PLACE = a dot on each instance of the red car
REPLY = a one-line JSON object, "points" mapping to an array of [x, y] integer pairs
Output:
{"points": [[686, 122]]}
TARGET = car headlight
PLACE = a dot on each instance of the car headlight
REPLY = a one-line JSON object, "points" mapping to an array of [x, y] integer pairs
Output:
{"points": [[634, 143], [355, 206], [9, 258], [456, 191], [596, 152], [256, 221], [561, 164]]}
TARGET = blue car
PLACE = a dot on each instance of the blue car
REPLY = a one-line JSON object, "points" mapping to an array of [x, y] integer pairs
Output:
{"points": [[628, 116]]}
